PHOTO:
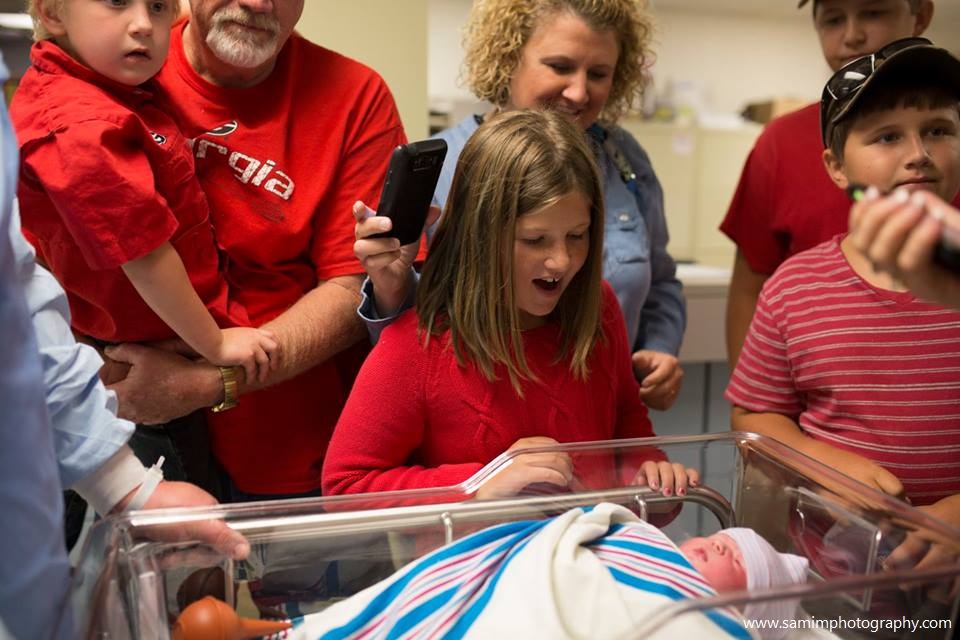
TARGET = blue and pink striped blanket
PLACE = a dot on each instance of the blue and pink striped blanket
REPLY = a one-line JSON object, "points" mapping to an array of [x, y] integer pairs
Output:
{"points": [[588, 573]]}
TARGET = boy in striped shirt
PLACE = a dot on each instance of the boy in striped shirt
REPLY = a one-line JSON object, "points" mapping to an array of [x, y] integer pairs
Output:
{"points": [[841, 362]]}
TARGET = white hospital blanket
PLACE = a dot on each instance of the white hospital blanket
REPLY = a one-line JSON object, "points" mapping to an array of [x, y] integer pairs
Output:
{"points": [[595, 573]]}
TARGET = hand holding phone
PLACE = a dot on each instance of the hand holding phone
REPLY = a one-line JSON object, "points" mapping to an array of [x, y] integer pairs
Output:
{"points": [[409, 186], [946, 253]]}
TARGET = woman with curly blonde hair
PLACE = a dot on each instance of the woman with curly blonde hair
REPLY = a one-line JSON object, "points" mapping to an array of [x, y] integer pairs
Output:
{"points": [[498, 31], [587, 60]]}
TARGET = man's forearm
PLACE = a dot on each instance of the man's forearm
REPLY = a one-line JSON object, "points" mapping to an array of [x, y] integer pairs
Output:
{"points": [[161, 385], [320, 325]]}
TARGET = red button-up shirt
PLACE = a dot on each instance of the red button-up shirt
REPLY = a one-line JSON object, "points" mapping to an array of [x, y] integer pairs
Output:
{"points": [[106, 178]]}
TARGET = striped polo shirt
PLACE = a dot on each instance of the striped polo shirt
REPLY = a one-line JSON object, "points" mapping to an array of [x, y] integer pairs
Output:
{"points": [[868, 370]]}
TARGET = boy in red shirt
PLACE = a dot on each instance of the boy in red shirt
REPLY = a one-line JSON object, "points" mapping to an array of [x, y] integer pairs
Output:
{"points": [[108, 190], [841, 362], [785, 202]]}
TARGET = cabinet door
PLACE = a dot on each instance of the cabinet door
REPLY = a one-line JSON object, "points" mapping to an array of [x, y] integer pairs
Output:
{"points": [[699, 169], [672, 151], [720, 158]]}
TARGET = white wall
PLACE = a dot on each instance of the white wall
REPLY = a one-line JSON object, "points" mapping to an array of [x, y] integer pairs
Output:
{"points": [[737, 59], [390, 37], [944, 31], [444, 55], [736, 56]]}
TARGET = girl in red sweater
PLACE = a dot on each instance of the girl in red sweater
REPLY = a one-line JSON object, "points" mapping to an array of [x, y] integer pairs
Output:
{"points": [[515, 341]]}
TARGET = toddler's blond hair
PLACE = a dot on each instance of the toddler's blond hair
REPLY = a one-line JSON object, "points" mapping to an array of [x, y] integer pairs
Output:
{"points": [[40, 32]]}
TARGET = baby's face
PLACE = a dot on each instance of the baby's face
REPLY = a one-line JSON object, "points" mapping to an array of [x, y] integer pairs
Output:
{"points": [[719, 560]]}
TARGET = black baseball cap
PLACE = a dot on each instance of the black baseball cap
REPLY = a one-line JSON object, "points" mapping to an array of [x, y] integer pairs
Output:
{"points": [[917, 59]]}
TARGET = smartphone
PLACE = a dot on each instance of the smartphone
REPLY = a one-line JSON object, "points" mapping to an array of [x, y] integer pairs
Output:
{"points": [[408, 188], [946, 253]]}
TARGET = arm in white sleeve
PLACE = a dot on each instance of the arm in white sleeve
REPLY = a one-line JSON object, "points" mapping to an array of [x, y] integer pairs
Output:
{"points": [[34, 571], [83, 413], [111, 481]]}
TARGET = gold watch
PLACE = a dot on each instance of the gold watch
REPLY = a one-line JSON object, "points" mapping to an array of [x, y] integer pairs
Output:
{"points": [[230, 387]]}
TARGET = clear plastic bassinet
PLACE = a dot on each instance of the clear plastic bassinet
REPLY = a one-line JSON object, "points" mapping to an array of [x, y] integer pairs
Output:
{"points": [[309, 553]]}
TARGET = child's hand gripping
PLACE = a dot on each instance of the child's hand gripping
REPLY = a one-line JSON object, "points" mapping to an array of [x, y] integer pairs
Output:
{"points": [[256, 350], [552, 467], [666, 477]]}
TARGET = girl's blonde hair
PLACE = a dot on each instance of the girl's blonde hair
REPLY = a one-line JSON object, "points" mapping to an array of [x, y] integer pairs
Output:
{"points": [[40, 32], [497, 31], [515, 164]]}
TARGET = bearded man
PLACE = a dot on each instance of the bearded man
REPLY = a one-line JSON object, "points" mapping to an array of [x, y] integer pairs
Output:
{"points": [[287, 136]]}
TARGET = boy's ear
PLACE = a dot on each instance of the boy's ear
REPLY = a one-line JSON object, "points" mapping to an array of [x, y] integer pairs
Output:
{"points": [[924, 17], [47, 12], [834, 168]]}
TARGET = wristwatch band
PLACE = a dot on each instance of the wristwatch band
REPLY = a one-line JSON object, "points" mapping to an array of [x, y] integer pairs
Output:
{"points": [[230, 396]]}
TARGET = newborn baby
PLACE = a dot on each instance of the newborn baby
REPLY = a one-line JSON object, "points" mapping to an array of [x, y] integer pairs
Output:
{"points": [[737, 558], [588, 573]]}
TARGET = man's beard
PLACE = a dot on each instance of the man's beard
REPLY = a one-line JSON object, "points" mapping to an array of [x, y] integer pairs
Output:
{"points": [[237, 47]]}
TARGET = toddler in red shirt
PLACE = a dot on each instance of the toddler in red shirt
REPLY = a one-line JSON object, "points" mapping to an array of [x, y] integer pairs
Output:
{"points": [[108, 191], [515, 341]]}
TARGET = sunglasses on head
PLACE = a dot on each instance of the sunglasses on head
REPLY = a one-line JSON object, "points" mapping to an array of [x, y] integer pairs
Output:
{"points": [[851, 76]]}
